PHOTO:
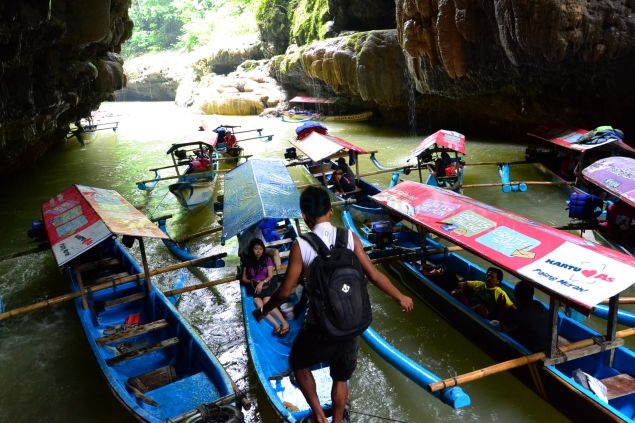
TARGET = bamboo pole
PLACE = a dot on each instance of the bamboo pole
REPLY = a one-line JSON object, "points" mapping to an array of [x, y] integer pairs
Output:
{"points": [[516, 362], [206, 173], [72, 295], [497, 163], [623, 300], [39, 248], [499, 184]]}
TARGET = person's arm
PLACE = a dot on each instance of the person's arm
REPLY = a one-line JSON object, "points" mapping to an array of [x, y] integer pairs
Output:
{"points": [[291, 277], [244, 279], [260, 284], [380, 280]]}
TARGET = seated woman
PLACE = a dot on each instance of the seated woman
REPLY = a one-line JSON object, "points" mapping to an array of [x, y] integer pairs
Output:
{"points": [[258, 275]]}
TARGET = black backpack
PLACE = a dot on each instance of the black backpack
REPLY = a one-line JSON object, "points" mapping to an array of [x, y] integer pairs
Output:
{"points": [[338, 289]]}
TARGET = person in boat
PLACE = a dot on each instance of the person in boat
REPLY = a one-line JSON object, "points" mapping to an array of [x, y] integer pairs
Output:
{"points": [[529, 322], [620, 221], [258, 276], [342, 183], [230, 140], [310, 347], [486, 298], [440, 275], [341, 164]]}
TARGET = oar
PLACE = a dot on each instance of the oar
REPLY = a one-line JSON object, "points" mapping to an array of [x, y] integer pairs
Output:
{"points": [[189, 175], [246, 130], [66, 297], [233, 158], [499, 184], [268, 137], [41, 247], [623, 300], [517, 362]]}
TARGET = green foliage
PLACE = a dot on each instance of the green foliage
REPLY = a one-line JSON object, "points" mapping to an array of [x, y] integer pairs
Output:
{"points": [[273, 25], [187, 24]]}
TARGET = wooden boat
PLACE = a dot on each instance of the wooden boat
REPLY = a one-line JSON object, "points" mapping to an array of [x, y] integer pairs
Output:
{"points": [[568, 150], [195, 184], [320, 152], [440, 160], [152, 359], [569, 269], [615, 176], [83, 128], [262, 190], [306, 109]]}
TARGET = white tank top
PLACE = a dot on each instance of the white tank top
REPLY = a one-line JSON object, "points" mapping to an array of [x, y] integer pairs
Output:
{"points": [[328, 234]]}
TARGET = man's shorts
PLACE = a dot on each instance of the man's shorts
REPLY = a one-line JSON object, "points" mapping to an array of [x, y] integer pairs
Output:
{"points": [[311, 347]]}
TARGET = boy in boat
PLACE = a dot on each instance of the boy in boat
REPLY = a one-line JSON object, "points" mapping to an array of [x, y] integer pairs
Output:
{"points": [[342, 183], [311, 347], [529, 323], [486, 298]]}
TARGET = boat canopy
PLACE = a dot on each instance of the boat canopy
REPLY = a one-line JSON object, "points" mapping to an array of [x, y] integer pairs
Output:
{"points": [[81, 217], [207, 137], [615, 175], [321, 146], [571, 138], [452, 140], [258, 189], [199, 144], [311, 100], [577, 271]]}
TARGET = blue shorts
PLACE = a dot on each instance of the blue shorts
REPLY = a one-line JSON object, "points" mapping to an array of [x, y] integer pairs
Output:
{"points": [[312, 347]]}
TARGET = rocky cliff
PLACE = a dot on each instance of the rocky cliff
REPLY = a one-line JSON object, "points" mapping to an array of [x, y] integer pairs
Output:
{"points": [[59, 61], [479, 66], [483, 67]]}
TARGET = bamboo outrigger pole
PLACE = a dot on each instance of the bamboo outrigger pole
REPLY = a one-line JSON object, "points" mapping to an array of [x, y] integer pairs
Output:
{"points": [[499, 184], [72, 295], [517, 362]]}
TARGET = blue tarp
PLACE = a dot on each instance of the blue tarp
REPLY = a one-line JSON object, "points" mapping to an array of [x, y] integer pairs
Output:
{"points": [[256, 190]]}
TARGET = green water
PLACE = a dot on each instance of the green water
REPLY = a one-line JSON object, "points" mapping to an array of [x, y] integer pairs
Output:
{"points": [[48, 372]]}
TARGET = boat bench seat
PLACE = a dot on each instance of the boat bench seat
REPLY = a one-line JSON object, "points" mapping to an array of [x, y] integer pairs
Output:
{"points": [[99, 264], [619, 385], [132, 331], [278, 242], [122, 300], [284, 254], [108, 278], [166, 343]]}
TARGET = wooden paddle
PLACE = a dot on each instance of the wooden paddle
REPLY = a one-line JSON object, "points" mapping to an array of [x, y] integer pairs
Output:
{"points": [[66, 297], [517, 362], [499, 184]]}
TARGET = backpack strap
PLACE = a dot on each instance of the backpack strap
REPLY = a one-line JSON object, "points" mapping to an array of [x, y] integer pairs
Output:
{"points": [[341, 239], [316, 243]]}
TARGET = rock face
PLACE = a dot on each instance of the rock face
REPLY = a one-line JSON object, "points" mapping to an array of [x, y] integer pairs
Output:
{"points": [[489, 67], [59, 61]]}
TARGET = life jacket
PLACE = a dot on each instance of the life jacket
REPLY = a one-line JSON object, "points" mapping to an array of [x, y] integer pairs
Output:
{"points": [[584, 206]]}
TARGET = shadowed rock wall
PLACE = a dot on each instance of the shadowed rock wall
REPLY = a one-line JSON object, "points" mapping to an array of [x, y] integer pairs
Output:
{"points": [[59, 61]]}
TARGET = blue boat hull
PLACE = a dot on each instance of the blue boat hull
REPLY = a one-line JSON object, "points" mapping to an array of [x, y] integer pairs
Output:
{"points": [[151, 357], [553, 382]]}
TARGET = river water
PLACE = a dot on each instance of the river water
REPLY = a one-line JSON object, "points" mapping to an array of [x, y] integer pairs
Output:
{"points": [[47, 370]]}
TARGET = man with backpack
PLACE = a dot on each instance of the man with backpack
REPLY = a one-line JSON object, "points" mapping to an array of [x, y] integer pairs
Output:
{"points": [[329, 336]]}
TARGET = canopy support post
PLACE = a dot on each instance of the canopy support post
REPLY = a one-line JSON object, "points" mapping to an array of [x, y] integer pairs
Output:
{"points": [[554, 305], [611, 326], [144, 261]]}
